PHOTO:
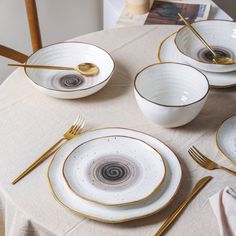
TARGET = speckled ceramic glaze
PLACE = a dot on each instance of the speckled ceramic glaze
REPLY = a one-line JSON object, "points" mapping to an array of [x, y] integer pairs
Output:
{"points": [[114, 170], [219, 34], [169, 52], [69, 84], [226, 138], [114, 214]]}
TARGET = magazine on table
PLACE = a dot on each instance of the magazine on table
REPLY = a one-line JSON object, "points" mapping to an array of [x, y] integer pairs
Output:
{"points": [[166, 11]]}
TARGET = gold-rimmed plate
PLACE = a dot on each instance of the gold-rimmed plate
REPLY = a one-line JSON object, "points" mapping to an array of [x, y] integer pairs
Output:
{"points": [[168, 52], [114, 170], [115, 214], [226, 138]]}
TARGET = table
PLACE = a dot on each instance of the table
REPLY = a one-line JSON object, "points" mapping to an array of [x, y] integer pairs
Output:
{"points": [[31, 122]]}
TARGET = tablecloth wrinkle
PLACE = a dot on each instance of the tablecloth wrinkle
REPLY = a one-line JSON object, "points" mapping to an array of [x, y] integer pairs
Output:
{"points": [[223, 204]]}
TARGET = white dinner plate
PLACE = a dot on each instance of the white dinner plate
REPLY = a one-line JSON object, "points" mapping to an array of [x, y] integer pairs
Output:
{"points": [[114, 170], [226, 138], [168, 52], [115, 214]]}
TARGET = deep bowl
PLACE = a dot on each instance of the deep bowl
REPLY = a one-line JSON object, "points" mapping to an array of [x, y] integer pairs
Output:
{"points": [[219, 34], [171, 94], [69, 84]]}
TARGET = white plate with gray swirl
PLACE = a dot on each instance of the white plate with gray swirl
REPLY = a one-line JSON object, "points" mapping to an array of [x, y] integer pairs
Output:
{"points": [[114, 170], [98, 173]]}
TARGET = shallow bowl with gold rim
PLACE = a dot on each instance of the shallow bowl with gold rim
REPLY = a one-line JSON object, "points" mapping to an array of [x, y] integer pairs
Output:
{"points": [[69, 84], [219, 34], [114, 170], [168, 52], [171, 94]]}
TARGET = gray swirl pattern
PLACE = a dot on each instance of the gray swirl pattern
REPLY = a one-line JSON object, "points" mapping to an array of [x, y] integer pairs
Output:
{"points": [[113, 173], [205, 55], [71, 81]]}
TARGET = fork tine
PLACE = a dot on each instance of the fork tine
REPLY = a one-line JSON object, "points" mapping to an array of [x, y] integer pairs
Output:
{"points": [[203, 156], [200, 157], [73, 125], [76, 123], [79, 126], [192, 154], [82, 126]]}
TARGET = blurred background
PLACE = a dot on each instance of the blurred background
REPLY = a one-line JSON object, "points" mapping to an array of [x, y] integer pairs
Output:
{"points": [[59, 20], [229, 7]]}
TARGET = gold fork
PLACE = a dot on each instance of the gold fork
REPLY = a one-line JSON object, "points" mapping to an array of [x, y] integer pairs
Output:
{"points": [[205, 162], [73, 131]]}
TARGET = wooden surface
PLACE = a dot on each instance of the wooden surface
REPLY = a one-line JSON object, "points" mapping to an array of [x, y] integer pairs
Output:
{"points": [[12, 54], [33, 24]]}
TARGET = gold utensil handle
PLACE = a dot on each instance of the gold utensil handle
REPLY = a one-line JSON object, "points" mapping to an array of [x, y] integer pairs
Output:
{"points": [[228, 170], [43, 67], [41, 159], [200, 184], [197, 34]]}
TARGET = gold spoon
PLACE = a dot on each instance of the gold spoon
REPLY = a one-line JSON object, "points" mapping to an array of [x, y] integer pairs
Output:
{"points": [[219, 59], [88, 69]]}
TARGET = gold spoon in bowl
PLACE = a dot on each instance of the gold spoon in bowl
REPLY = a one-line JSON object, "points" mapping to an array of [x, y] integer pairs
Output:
{"points": [[219, 59], [87, 69]]}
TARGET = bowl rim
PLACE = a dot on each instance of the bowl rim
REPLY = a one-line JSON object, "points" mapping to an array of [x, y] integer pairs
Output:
{"points": [[198, 60], [164, 105], [74, 90]]}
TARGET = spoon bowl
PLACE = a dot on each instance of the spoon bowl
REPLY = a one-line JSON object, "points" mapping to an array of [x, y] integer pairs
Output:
{"points": [[88, 69], [224, 60]]}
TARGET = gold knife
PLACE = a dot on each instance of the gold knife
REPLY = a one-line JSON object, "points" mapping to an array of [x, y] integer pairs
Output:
{"points": [[200, 184]]}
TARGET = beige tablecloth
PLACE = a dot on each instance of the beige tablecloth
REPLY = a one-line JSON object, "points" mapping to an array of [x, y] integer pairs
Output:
{"points": [[31, 122]]}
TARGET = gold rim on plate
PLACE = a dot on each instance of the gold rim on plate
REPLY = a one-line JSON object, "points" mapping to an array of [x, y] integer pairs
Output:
{"points": [[217, 143], [160, 46], [160, 61], [123, 203], [100, 219]]}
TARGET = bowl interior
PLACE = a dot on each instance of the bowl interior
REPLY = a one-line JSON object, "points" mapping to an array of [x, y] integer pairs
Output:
{"points": [[70, 55], [171, 84], [220, 35]]}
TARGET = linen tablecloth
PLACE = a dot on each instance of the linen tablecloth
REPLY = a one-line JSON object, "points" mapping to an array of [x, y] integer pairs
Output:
{"points": [[31, 122]]}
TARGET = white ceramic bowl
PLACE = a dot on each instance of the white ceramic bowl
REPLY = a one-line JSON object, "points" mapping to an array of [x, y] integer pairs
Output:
{"points": [[171, 94], [219, 34], [67, 84]]}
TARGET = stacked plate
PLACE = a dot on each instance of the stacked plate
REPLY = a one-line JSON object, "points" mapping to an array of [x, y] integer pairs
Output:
{"points": [[114, 175], [184, 47]]}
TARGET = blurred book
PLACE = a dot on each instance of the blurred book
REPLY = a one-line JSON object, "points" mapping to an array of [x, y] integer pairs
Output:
{"points": [[166, 11]]}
